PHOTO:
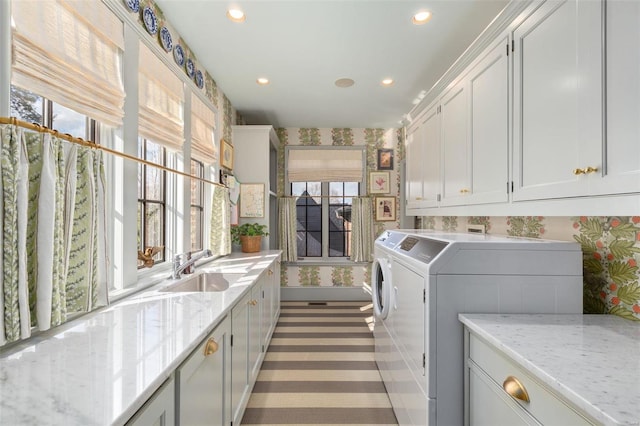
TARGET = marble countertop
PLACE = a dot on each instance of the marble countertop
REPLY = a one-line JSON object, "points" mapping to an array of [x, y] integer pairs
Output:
{"points": [[592, 360], [102, 367]]}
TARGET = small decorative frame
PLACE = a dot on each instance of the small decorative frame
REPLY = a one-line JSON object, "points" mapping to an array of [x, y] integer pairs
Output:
{"points": [[385, 159], [252, 200], [385, 209], [379, 183], [226, 155]]}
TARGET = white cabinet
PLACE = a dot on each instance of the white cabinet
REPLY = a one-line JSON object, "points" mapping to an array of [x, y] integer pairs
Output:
{"points": [[255, 152], [204, 381], [499, 391], [247, 350], [488, 82], [159, 410], [270, 302], [621, 173], [423, 161], [455, 145], [558, 106]]}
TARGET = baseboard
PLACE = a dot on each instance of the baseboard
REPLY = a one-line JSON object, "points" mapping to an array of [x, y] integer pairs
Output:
{"points": [[324, 293]]}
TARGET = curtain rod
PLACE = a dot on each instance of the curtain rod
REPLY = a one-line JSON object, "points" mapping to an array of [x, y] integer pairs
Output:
{"points": [[79, 141]]}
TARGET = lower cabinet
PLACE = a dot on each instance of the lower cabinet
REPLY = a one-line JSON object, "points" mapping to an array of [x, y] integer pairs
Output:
{"points": [[159, 410], [204, 381], [500, 392]]}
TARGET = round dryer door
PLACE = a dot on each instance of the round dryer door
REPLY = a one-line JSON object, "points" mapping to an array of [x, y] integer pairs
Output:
{"points": [[381, 288]]}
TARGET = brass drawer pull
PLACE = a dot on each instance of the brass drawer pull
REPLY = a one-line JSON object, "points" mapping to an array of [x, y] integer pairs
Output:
{"points": [[514, 388], [588, 170], [211, 347]]}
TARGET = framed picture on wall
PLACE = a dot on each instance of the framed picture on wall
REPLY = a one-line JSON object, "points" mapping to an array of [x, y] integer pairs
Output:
{"points": [[226, 154], [385, 159], [385, 209], [252, 200], [379, 183]]}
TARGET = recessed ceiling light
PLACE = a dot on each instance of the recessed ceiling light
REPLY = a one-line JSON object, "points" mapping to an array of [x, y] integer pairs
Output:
{"points": [[421, 17], [387, 82], [236, 15], [344, 82], [262, 81]]}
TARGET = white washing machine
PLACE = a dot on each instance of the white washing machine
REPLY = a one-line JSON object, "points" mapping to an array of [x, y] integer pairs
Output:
{"points": [[381, 294], [428, 279]]}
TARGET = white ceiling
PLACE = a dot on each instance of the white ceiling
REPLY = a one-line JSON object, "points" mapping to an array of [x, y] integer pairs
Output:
{"points": [[303, 46]]}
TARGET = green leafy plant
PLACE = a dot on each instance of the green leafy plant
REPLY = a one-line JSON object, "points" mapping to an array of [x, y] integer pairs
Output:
{"points": [[248, 229]]}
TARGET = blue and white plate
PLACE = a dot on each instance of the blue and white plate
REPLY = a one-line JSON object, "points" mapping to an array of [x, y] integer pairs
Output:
{"points": [[150, 20], [133, 5], [165, 39], [199, 79], [178, 55], [191, 68]]}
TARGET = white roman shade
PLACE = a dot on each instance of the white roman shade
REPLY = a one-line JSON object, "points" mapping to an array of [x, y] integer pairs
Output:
{"points": [[324, 165], [203, 125], [161, 101], [70, 51]]}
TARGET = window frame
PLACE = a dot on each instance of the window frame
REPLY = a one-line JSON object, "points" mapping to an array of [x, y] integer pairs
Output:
{"points": [[142, 198], [200, 207], [325, 259]]}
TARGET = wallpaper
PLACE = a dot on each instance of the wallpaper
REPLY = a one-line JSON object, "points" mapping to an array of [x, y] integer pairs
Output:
{"points": [[610, 246], [372, 139]]}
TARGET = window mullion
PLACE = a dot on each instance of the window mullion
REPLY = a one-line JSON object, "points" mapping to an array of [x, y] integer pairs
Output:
{"points": [[325, 219]]}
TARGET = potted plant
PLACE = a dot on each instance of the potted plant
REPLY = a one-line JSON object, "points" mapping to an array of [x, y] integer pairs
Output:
{"points": [[249, 236]]}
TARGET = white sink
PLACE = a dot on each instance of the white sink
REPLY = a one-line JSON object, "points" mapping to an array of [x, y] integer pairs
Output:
{"points": [[205, 282]]}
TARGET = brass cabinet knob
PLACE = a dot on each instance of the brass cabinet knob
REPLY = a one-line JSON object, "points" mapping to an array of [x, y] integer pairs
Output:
{"points": [[578, 172], [418, 198], [269, 272], [211, 347], [591, 169], [253, 302], [464, 191], [514, 388]]}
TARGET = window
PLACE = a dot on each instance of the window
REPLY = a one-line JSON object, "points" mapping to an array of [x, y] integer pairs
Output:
{"points": [[324, 218], [197, 205], [151, 198], [33, 108]]}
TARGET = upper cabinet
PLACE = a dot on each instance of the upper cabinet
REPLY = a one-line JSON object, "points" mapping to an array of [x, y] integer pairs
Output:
{"points": [[558, 100], [541, 116]]}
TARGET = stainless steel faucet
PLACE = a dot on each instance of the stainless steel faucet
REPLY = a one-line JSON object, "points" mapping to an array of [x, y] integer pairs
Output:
{"points": [[179, 268]]}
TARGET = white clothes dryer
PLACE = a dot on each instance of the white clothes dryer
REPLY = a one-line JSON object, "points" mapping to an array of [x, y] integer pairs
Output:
{"points": [[434, 276]]}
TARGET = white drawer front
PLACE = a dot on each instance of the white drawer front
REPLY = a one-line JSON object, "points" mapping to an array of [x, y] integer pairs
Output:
{"points": [[546, 406]]}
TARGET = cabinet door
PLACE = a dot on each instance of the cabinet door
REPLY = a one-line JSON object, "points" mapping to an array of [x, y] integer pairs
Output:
{"points": [[455, 146], [159, 410], [621, 173], [557, 99], [276, 293], [267, 306], [204, 381], [240, 357], [430, 161], [414, 181], [489, 129], [255, 331]]}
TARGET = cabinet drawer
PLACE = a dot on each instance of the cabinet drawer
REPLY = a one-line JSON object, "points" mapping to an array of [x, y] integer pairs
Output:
{"points": [[545, 405]]}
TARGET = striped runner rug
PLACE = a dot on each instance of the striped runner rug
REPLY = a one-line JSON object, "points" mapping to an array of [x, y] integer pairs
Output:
{"points": [[320, 369]]}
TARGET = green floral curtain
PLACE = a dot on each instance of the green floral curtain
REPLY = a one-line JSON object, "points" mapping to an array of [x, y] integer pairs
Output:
{"points": [[287, 232], [50, 232], [361, 230], [220, 221]]}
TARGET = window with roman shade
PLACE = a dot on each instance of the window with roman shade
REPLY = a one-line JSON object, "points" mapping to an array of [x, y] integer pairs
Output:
{"points": [[324, 165], [70, 51], [203, 121], [161, 101]]}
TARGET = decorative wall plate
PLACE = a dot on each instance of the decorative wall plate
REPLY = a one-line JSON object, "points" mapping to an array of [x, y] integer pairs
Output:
{"points": [[165, 39], [133, 5], [191, 68], [178, 55], [150, 20], [199, 79]]}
